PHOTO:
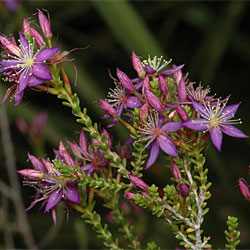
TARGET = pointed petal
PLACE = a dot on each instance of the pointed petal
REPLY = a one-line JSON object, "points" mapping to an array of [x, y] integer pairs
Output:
{"points": [[200, 109], [41, 71], [53, 211], [54, 198], [45, 54], [167, 145], [23, 81], [18, 98], [71, 194], [133, 102], [24, 44], [196, 124], [83, 141], [153, 154], [171, 71], [229, 111], [172, 126], [216, 137], [36, 163], [232, 131]]}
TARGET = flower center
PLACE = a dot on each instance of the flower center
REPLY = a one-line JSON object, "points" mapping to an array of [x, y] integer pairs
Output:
{"points": [[157, 132], [29, 62], [214, 122]]}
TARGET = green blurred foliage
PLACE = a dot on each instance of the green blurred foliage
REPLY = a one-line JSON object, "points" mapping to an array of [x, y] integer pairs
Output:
{"points": [[211, 38]]}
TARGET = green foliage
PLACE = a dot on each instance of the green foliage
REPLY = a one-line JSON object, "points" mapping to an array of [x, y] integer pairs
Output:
{"points": [[232, 234]]}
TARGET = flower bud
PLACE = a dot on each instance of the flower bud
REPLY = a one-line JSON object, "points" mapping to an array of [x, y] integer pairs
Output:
{"points": [[138, 182], [137, 64], [49, 166], [107, 108], [129, 195], [184, 190], [37, 37], [182, 113], [153, 101], [182, 90], [45, 25], [163, 84], [125, 81], [145, 85], [22, 125], [26, 27], [144, 112], [31, 173], [175, 171], [106, 133], [11, 47], [83, 141], [244, 189], [177, 75], [65, 155]]}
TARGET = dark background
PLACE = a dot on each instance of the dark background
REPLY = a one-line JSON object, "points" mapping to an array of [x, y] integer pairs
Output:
{"points": [[211, 38]]}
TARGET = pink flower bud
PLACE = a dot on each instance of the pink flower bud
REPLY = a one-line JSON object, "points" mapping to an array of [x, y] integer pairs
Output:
{"points": [[45, 25], [48, 165], [138, 182], [137, 64], [75, 149], [65, 155], [163, 84], [153, 101], [125, 81], [145, 194], [83, 141], [177, 75], [184, 190], [37, 37], [145, 85], [129, 195], [175, 171], [11, 47], [106, 133], [182, 113], [26, 27], [144, 112], [31, 173], [182, 91], [36, 163], [107, 108], [244, 189]]}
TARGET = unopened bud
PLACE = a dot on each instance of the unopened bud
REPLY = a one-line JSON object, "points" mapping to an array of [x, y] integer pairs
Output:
{"points": [[125, 81], [184, 190], [175, 171], [36, 163], [107, 108], [49, 166], [31, 173], [138, 182], [129, 195], [26, 27], [182, 90], [137, 64], [244, 189], [153, 101], [22, 125], [11, 47], [145, 85], [177, 75], [45, 25], [37, 37], [65, 155], [182, 113], [144, 112], [163, 84]]}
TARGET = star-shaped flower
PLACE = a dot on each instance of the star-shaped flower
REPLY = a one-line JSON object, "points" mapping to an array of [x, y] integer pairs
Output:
{"points": [[216, 119], [28, 66], [157, 137]]}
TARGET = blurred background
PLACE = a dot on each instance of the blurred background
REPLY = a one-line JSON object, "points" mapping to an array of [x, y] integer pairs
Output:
{"points": [[211, 38]]}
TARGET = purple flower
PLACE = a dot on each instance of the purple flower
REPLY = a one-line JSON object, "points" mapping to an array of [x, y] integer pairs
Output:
{"points": [[216, 119], [28, 66], [52, 187], [157, 137], [244, 189]]}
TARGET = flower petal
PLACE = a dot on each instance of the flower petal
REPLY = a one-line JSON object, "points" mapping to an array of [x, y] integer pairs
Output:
{"points": [[71, 194], [232, 131], [41, 71], [34, 81], [24, 45], [23, 81], [45, 54], [196, 124], [216, 137], [54, 198], [200, 109], [172, 126], [229, 111], [18, 98], [167, 145], [133, 102], [153, 154], [171, 71]]}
